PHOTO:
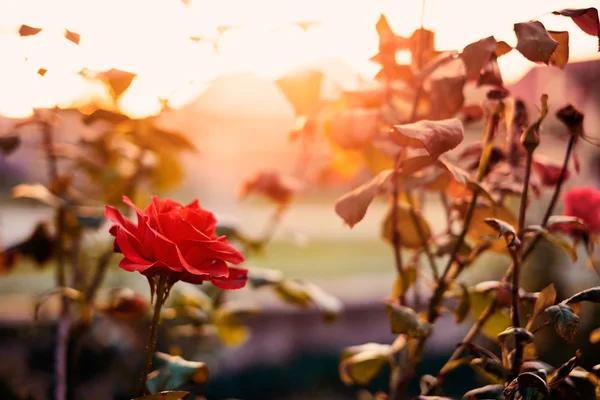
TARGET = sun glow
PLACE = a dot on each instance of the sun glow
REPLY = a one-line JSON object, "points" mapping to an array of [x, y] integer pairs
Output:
{"points": [[152, 39]]}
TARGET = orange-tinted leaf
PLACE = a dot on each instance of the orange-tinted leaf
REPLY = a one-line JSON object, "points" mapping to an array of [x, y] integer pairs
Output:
{"points": [[502, 48], [476, 54], [545, 299], [126, 305], [595, 336], [436, 137], [72, 36], [104, 115], [479, 230], [42, 71], [351, 129], [403, 320], [534, 42], [353, 206], [302, 89], [471, 113], [446, 97], [26, 30], [560, 57], [585, 18], [118, 81], [271, 184]]}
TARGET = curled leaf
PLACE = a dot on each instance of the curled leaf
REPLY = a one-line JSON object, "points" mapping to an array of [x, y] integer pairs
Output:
{"points": [[564, 320], [436, 137], [534, 42], [565, 369], [585, 18], [404, 320], [491, 370], [485, 392], [505, 230], [174, 371], [37, 192], [591, 294], [363, 366], [532, 380], [352, 207], [520, 334]]}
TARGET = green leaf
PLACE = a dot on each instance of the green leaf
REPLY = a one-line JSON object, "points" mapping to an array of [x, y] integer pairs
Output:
{"points": [[304, 294], [8, 144], [545, 299], [464, 304], [564, 320], [534, 42], [168, 395], [485, 392], [38, 192], [174, 371], [404, 320], [362, 367], [591, 294]]}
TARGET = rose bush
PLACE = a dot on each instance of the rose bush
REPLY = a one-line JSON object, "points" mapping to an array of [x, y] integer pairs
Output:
{"points": [[177, 241]]}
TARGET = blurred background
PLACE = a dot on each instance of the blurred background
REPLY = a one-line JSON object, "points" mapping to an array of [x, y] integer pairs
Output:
{"points": [[217, 62]]}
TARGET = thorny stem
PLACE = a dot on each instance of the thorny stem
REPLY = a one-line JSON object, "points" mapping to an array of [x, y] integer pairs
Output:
{"points": [[489, 311], [161, 291], [514, 311]]}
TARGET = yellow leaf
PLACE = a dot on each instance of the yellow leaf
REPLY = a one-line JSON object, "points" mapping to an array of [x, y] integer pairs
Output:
{"points": [[294, 293], [168, 172], [404, 282], [595, 336], [497, 323], [230, 330], [361, 368], [409, 228], [560, 56]]}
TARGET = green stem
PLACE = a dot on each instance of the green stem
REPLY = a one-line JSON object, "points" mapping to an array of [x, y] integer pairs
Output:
{"points": [[161, 290]]}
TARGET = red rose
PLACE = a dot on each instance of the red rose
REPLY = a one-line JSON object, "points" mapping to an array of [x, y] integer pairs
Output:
{"points": [[583, 203], [176, 241]]}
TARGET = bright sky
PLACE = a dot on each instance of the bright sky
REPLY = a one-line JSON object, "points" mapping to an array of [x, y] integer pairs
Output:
{"points": [[151, 38]]}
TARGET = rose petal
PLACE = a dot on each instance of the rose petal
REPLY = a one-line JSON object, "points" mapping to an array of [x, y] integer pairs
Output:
{"points": [[130, 247], [201, 220], [131, 266], [115, 216], [236, 280]]}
